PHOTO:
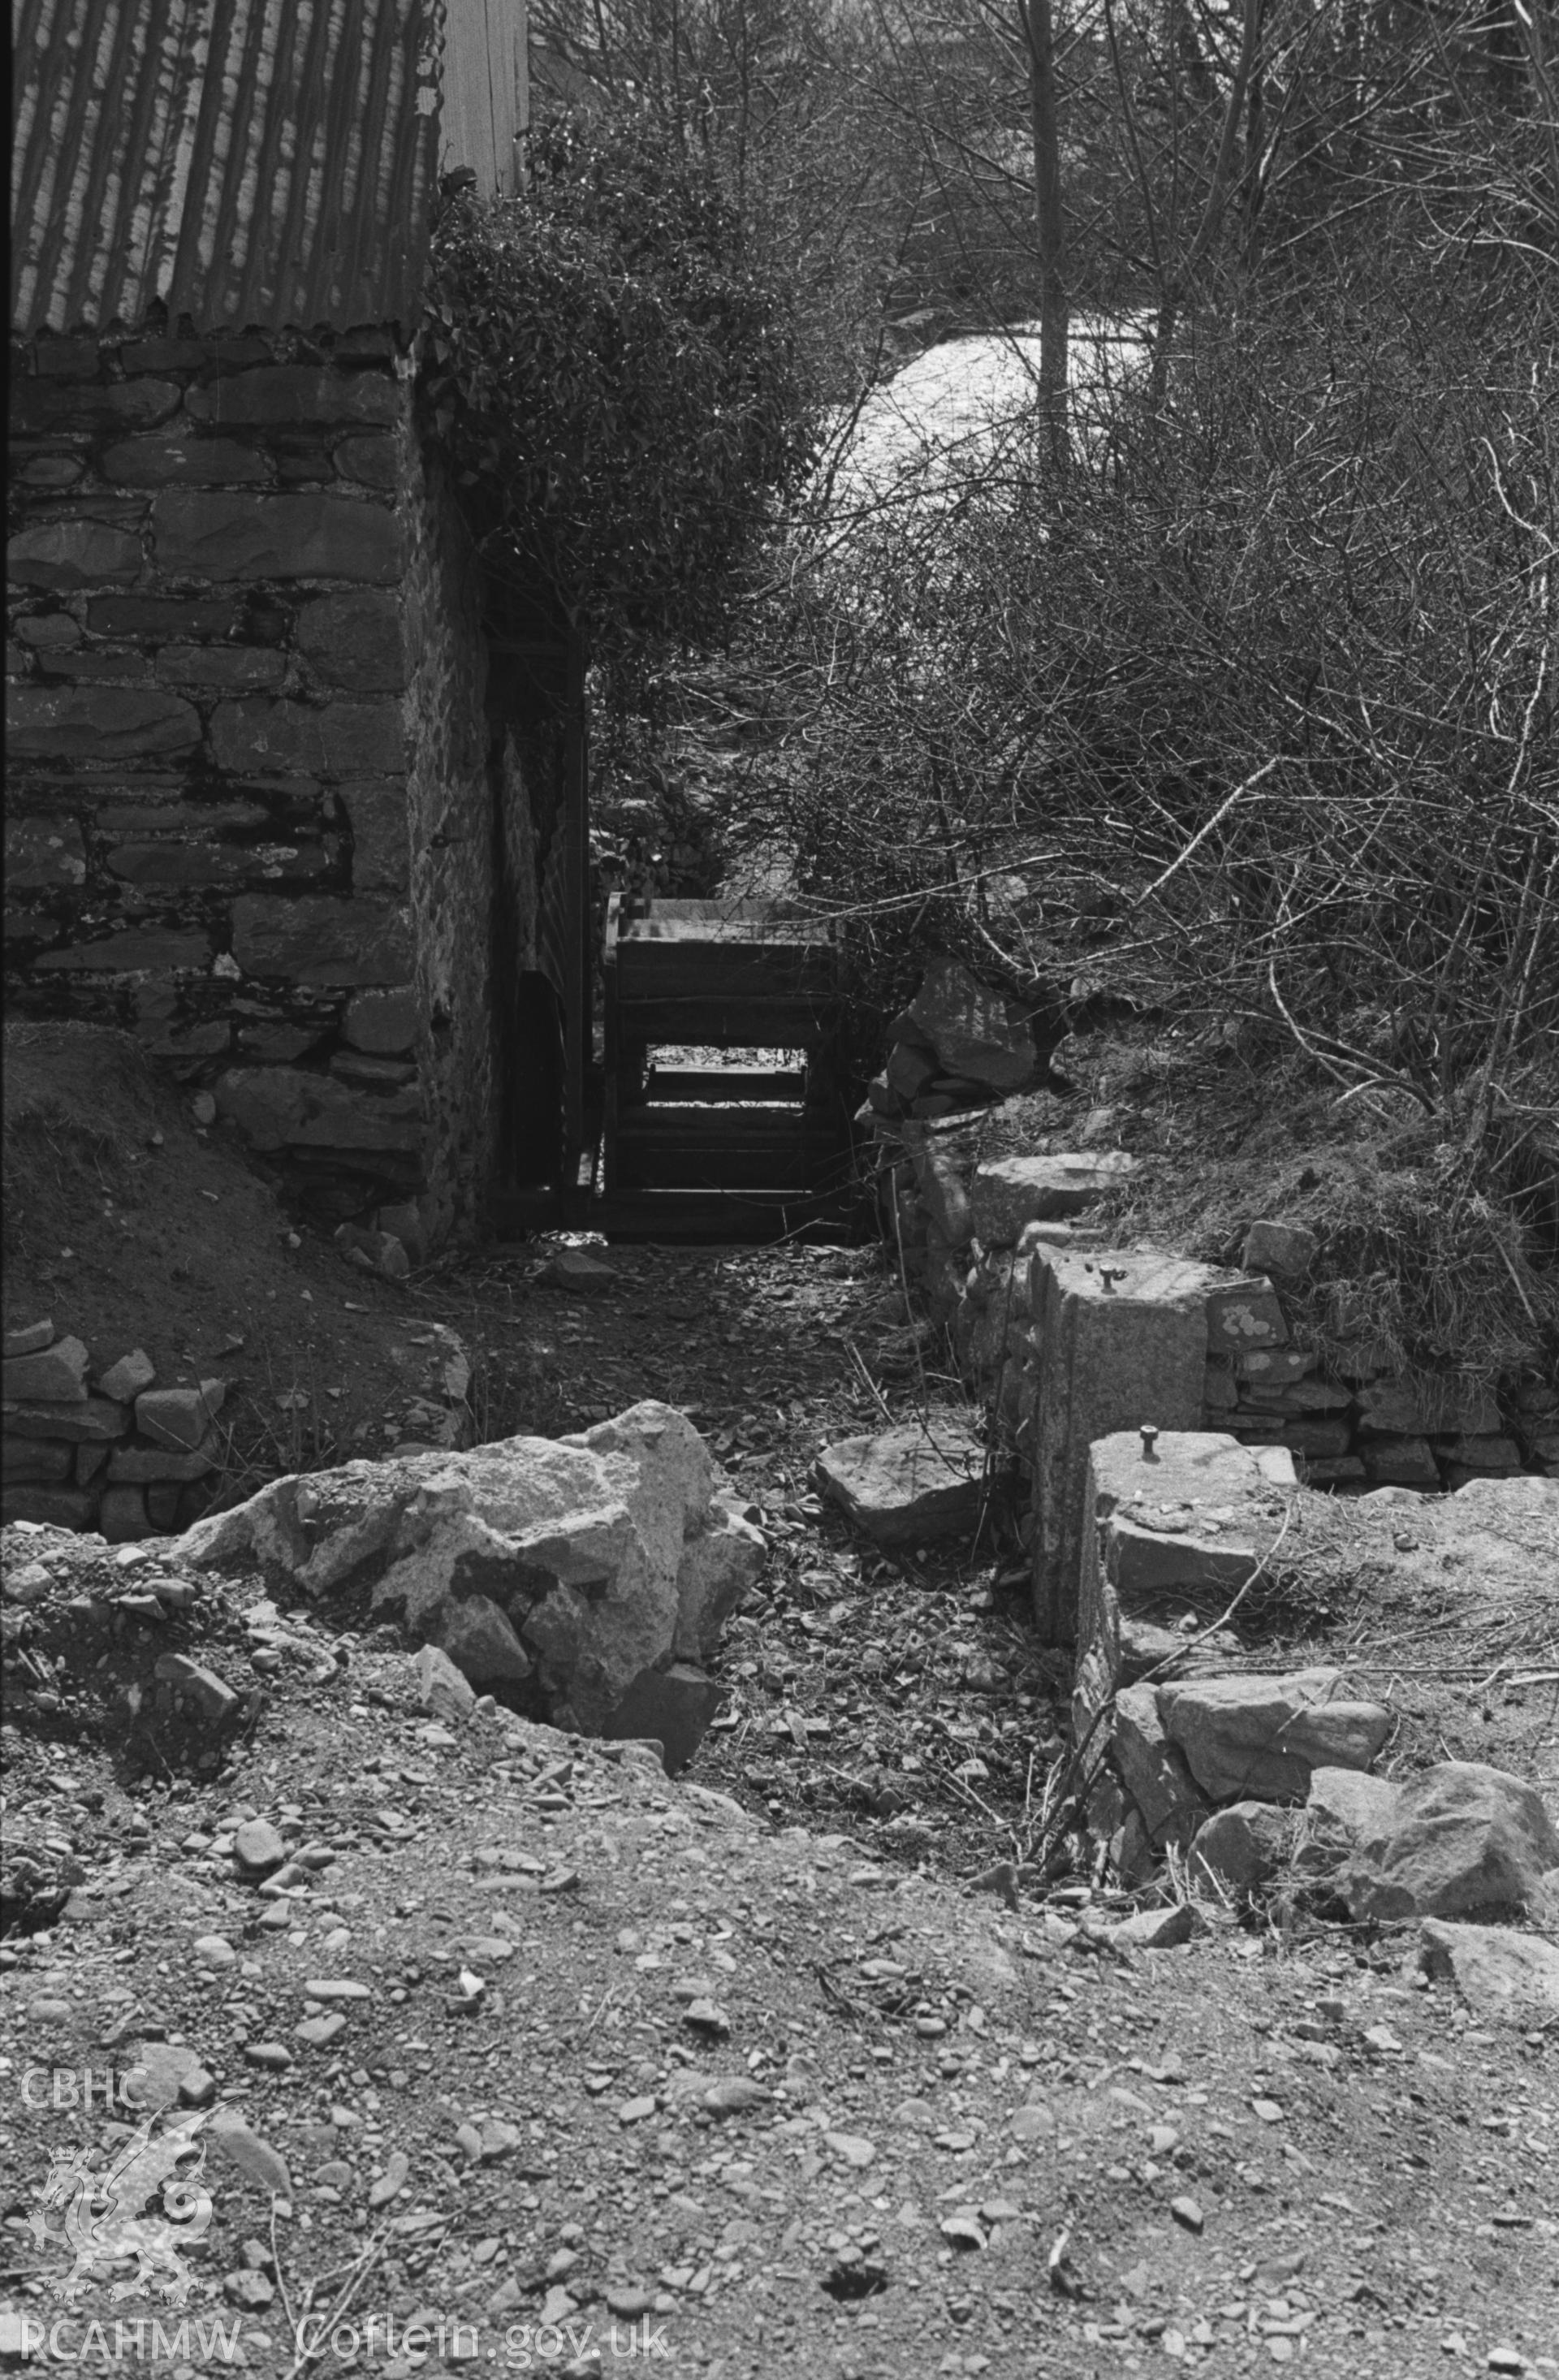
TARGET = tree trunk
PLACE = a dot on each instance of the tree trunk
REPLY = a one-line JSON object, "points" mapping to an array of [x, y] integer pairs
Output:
{"points": [[1049, 223]]}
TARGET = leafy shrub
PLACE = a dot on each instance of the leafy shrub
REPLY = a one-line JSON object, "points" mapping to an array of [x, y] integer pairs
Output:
{"points": [[615, 385]]}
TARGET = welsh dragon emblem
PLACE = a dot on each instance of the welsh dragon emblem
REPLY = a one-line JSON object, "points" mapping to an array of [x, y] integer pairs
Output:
{"points": [[146, 2203]]}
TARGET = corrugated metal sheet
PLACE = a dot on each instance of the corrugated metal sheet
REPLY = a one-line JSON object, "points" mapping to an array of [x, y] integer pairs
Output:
{"points": [[265, 163]]}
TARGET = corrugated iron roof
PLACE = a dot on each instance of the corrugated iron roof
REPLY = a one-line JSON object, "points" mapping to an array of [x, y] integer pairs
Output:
{"points": [[251, 163]]}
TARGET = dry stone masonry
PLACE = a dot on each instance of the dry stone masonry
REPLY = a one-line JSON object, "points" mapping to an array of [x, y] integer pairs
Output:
{"points": [[248, 815], [115, 1452]]}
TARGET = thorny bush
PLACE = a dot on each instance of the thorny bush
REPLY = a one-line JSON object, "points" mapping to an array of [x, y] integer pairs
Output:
{"points": [[1246, 714]]}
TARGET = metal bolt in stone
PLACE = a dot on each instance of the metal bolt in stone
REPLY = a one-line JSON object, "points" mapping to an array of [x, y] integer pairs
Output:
{"points": [[1108, 1275], [1150, 1436]]}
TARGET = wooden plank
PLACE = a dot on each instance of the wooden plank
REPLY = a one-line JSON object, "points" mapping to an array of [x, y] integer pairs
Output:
{"points": [[718, 919], [485, 93], [725, 1083], [721, 971], [716, 1023]]}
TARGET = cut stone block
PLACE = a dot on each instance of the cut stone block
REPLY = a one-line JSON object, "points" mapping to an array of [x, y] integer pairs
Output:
{"points": [[1147, 1557], [1012, 1191], [1121, 1338], [1514, 1978], [1261, 1739], [906, 1486], [1462, 1837]]}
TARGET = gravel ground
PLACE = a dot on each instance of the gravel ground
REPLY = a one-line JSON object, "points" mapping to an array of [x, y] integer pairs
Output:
{"points": [[546, 2045]]}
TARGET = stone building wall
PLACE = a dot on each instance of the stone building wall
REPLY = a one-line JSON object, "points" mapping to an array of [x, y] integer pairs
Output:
{"points": [[246, 785]]}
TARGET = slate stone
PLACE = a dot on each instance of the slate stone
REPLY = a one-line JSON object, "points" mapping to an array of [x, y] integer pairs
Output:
{"points": [[41, 855], [63, 1507], [1422, 1408], [120, 404], [975, 1032], [906, 1486], [482, 1643], [1348, 1803], [142, 1465], [288, 395], [184, 462], [1512, 1978], [383, 1022], [177, 1417], [1153, 1770], [372, 462], [442, 1686], [97, 1418], [212, 1698], [1260, 1738], [258, 1846], [125, 1381], [673, 1706], [1399, 1462], [30, 1340], [99, 721], [338, 739], [155, 617], [235, 537], [1244, 1315], [181, 864], [1462, 1837], [37, 1461], [354, 640], [1286, 1249], [69, 554], [121, 1516], [153, 2083], [317, 939], [1011, 1191], [376, 812], [281, 1106], [228, 666], [55, 1372], [1240, 1847]]}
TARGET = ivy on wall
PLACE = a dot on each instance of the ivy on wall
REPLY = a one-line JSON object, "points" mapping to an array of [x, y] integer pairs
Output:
{"points": [[617, 387]]}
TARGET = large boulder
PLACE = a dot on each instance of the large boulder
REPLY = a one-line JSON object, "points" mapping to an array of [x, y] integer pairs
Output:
{"points": [[1462, 1837], [906, 1486], [1261, 1739], [578, 1564], [1511, 1977]]}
